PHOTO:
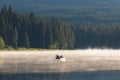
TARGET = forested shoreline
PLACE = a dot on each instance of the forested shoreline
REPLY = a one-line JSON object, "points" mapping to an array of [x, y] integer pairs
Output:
{"points": [[31, 31]]}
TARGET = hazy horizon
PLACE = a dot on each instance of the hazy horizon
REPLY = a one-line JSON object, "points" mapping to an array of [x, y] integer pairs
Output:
{"points": [[61, 3]]}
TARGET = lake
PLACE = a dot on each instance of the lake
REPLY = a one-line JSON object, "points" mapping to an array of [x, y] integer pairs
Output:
{"points": [[41, 65], [99, 75]]}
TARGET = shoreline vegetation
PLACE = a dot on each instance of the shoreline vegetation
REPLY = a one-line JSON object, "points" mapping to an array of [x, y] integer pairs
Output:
{"points": [[27, 49], [43, 49]]}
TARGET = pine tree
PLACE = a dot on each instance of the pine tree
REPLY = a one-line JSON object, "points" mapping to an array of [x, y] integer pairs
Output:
{"points": [[3, 28], [4, 10], [26, 42], [4, 13], [10, 10], [15, 38]]}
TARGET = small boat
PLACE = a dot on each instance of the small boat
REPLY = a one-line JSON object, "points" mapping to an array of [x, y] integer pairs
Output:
{"points": [[61, 58]]}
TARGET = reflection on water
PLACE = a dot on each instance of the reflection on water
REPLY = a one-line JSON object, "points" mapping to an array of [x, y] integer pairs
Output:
{"points": [[100, 75]]}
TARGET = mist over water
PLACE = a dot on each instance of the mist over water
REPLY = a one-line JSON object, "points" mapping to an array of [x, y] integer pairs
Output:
{"points": [[89, 64], [45, 61]]}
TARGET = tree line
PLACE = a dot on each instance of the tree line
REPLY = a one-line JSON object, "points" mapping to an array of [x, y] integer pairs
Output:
{"points": [[30, 31], [97, 37]]}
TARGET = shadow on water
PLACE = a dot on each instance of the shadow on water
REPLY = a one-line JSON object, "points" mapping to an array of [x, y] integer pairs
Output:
{"points": [[98, 75]]}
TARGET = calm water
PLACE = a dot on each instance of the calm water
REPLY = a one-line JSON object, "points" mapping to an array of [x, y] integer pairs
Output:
{"points": [[42, 65], [101, 75]]}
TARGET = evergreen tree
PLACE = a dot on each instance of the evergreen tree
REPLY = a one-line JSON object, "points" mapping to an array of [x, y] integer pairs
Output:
{"points": [[43, 32], [14, 38], [49, 36], [3, 28], [10, 10], [4, 10], [26, 42]]}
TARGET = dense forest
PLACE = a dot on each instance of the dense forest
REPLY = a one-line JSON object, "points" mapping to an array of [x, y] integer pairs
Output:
{"points": [[31, 31], [34, 31]]}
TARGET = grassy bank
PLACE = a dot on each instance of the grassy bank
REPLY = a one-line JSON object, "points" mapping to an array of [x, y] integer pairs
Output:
{"points": [[23, 49]]}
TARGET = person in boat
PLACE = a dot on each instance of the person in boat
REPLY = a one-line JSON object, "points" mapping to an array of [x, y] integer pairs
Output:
{"points": [[59, 57]]}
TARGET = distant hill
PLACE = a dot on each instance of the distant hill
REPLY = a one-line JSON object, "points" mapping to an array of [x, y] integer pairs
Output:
{"points": [[84, 11], [61, 3], [37, 5]]}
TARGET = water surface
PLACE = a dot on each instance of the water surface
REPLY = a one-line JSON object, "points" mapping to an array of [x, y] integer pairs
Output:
{"points": [[99, 75], [42, 65]]}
